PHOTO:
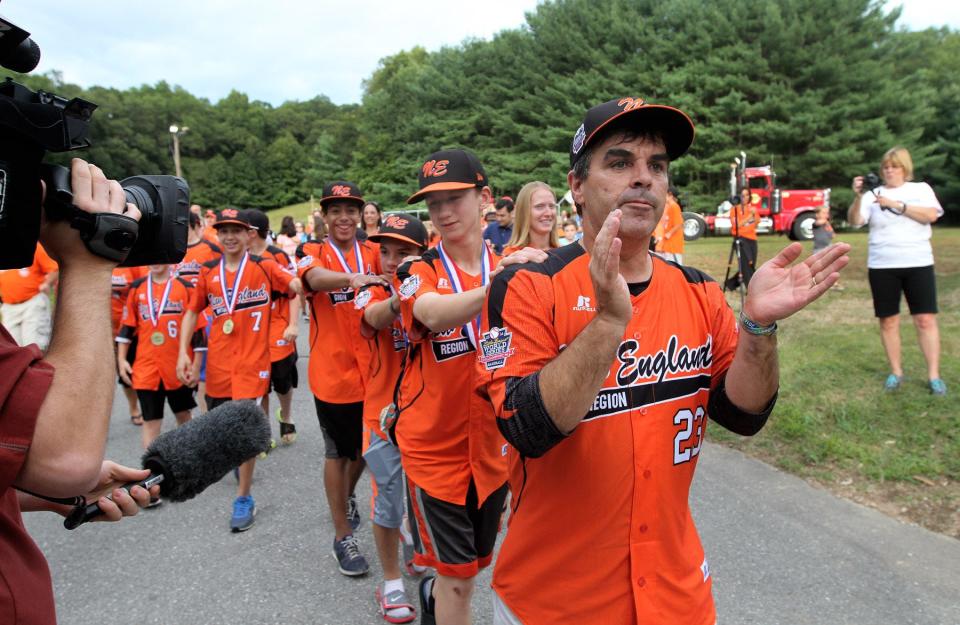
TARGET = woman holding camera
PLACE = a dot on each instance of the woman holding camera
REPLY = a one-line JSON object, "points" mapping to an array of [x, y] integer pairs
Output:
{"points": [[900, 259]]}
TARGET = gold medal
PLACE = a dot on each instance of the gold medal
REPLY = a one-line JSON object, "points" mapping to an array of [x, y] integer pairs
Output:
{"points": [[157, 338], [228, 326]]}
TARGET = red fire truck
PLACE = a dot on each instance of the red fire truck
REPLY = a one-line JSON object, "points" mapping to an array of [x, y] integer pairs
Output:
{"points": [[781, 211]]}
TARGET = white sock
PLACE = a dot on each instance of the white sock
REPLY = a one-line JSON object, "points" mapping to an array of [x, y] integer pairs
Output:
{"points": [[390, 585]]}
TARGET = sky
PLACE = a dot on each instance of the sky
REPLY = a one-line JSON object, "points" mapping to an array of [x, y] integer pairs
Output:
{"points": [[278, 50]]}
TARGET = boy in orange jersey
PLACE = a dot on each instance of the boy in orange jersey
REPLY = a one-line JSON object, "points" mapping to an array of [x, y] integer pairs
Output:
{"points": [[452, 453], [238, 289], [25, 293], [154, 312], [199, 251], [333, 270], [284, 316], [604, 364], [120, 282], [400, 236]]}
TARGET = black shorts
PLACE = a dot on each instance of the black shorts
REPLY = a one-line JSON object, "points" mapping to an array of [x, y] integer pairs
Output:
{"points": [[213, 402], [456, 540], [151, 402], [131, 356], [918, 285], [342, 426], [283, 374]]}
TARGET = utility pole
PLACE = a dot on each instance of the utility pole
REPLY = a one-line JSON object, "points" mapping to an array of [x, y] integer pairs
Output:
{"points": [[177, 132]]}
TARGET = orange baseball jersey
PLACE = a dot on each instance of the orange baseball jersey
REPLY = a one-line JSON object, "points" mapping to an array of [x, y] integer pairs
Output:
{"points": [[618, 485], [19, 285], [672, 217], [446, 433], [197, 254], [280, 308], [739, 215], [386, 353], [120, 282], [210, 234], [338, 354], [159, 334], [238, 350]]}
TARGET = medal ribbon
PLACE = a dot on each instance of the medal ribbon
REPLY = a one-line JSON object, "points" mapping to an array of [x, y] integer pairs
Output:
{"points": [[471, 328], [155, 313], [343, 260], [230, 294]]}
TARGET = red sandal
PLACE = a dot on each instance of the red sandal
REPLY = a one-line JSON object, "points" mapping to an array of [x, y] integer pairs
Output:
{"points": [[395, 601]]}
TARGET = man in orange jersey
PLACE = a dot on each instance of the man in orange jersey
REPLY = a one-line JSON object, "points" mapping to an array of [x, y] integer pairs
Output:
{"points": [[744, 221], [199, 251], [284, 316], [670, 229], [400, 237], [120, 281], [333, 270], [25, 293], [603, 364], [452, 453], [155, 308], [238, 289]]}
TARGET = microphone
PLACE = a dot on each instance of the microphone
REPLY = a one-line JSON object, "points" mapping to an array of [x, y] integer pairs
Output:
{"points": [[18, 52], [197, 454]]}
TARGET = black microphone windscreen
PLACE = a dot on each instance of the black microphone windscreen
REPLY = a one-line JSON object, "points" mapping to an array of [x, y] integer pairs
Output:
{"points": [[201, 451], [24, 58]]}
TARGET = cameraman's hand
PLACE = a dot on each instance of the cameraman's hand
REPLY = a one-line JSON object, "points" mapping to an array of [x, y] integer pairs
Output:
{"points": [[858, 185], [93, 193]]}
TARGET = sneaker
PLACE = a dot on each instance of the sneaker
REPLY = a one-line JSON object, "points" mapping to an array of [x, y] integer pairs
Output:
{"points": [[394, 606], [353, 512], [938, 387], [263, 454], [893, 382], [244, 509], [347, 552], [427, 603]]}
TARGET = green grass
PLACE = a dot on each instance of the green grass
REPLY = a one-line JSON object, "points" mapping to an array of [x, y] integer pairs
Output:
{"points": [[300, 212], [832, 417]]}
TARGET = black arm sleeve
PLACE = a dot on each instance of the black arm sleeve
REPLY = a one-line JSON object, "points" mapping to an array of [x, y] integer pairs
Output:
{"points": [[738, 421], [198, 342], [126, 334], [530, 430]]}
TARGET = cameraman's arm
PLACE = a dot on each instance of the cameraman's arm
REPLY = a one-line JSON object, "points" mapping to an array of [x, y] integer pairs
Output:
{"points": [[66, 452]]}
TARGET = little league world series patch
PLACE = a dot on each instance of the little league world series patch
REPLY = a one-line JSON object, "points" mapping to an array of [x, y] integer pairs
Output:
{"points": [[362, 299], [409, 287], [495, 348]]}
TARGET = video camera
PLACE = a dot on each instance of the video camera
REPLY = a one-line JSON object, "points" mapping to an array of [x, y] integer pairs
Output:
{"points": [[32, 123], [870, 181]]}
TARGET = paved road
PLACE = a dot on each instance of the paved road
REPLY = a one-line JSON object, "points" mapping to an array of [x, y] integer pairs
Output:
{"points": [[781, 552]]}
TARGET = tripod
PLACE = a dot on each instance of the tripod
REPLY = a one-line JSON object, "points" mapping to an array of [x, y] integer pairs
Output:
{"points": [[735, 253]]}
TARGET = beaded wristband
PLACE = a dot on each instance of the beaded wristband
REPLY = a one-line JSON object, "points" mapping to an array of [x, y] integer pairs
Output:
{"points": [[755, 328]]}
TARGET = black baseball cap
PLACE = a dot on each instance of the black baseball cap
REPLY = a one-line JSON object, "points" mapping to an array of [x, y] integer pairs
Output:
{"points": [[232, 217], [401, 227], [341, 190], [676, 126], [258, 221], [449, 170]]}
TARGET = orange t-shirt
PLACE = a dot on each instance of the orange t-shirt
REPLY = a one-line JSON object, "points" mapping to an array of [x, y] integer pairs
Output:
{"points": [[238, 362], [739, 216], [338, 354], [672, 217], [210, 234], [446, 433], [617, 487], [157, 363], [120, 282], [19, 285], [386, 353], [197, 254], [280, 308]]}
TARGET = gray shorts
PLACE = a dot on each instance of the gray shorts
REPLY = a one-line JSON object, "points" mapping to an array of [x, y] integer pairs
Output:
{"points": [[383, 461]]}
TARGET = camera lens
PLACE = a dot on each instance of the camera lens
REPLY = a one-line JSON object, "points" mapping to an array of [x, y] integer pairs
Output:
{"points": [[164, 204]]}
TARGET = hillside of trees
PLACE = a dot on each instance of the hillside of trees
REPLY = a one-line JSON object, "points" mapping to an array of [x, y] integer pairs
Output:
{"points": [[818, 88]]}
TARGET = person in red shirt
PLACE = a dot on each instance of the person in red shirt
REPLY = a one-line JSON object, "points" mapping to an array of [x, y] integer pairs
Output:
{"points": [[603, 364], [199, 251], [284, 317], [155, 308], [238, 289], [452, 453], [332, 270], [120, 282], [399, 236], [25, 293]]}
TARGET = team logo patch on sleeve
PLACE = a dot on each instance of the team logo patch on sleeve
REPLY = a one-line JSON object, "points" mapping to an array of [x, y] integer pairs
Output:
{"points": [[306, 261], [362, 299], [495, 348], [409, 287]]}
